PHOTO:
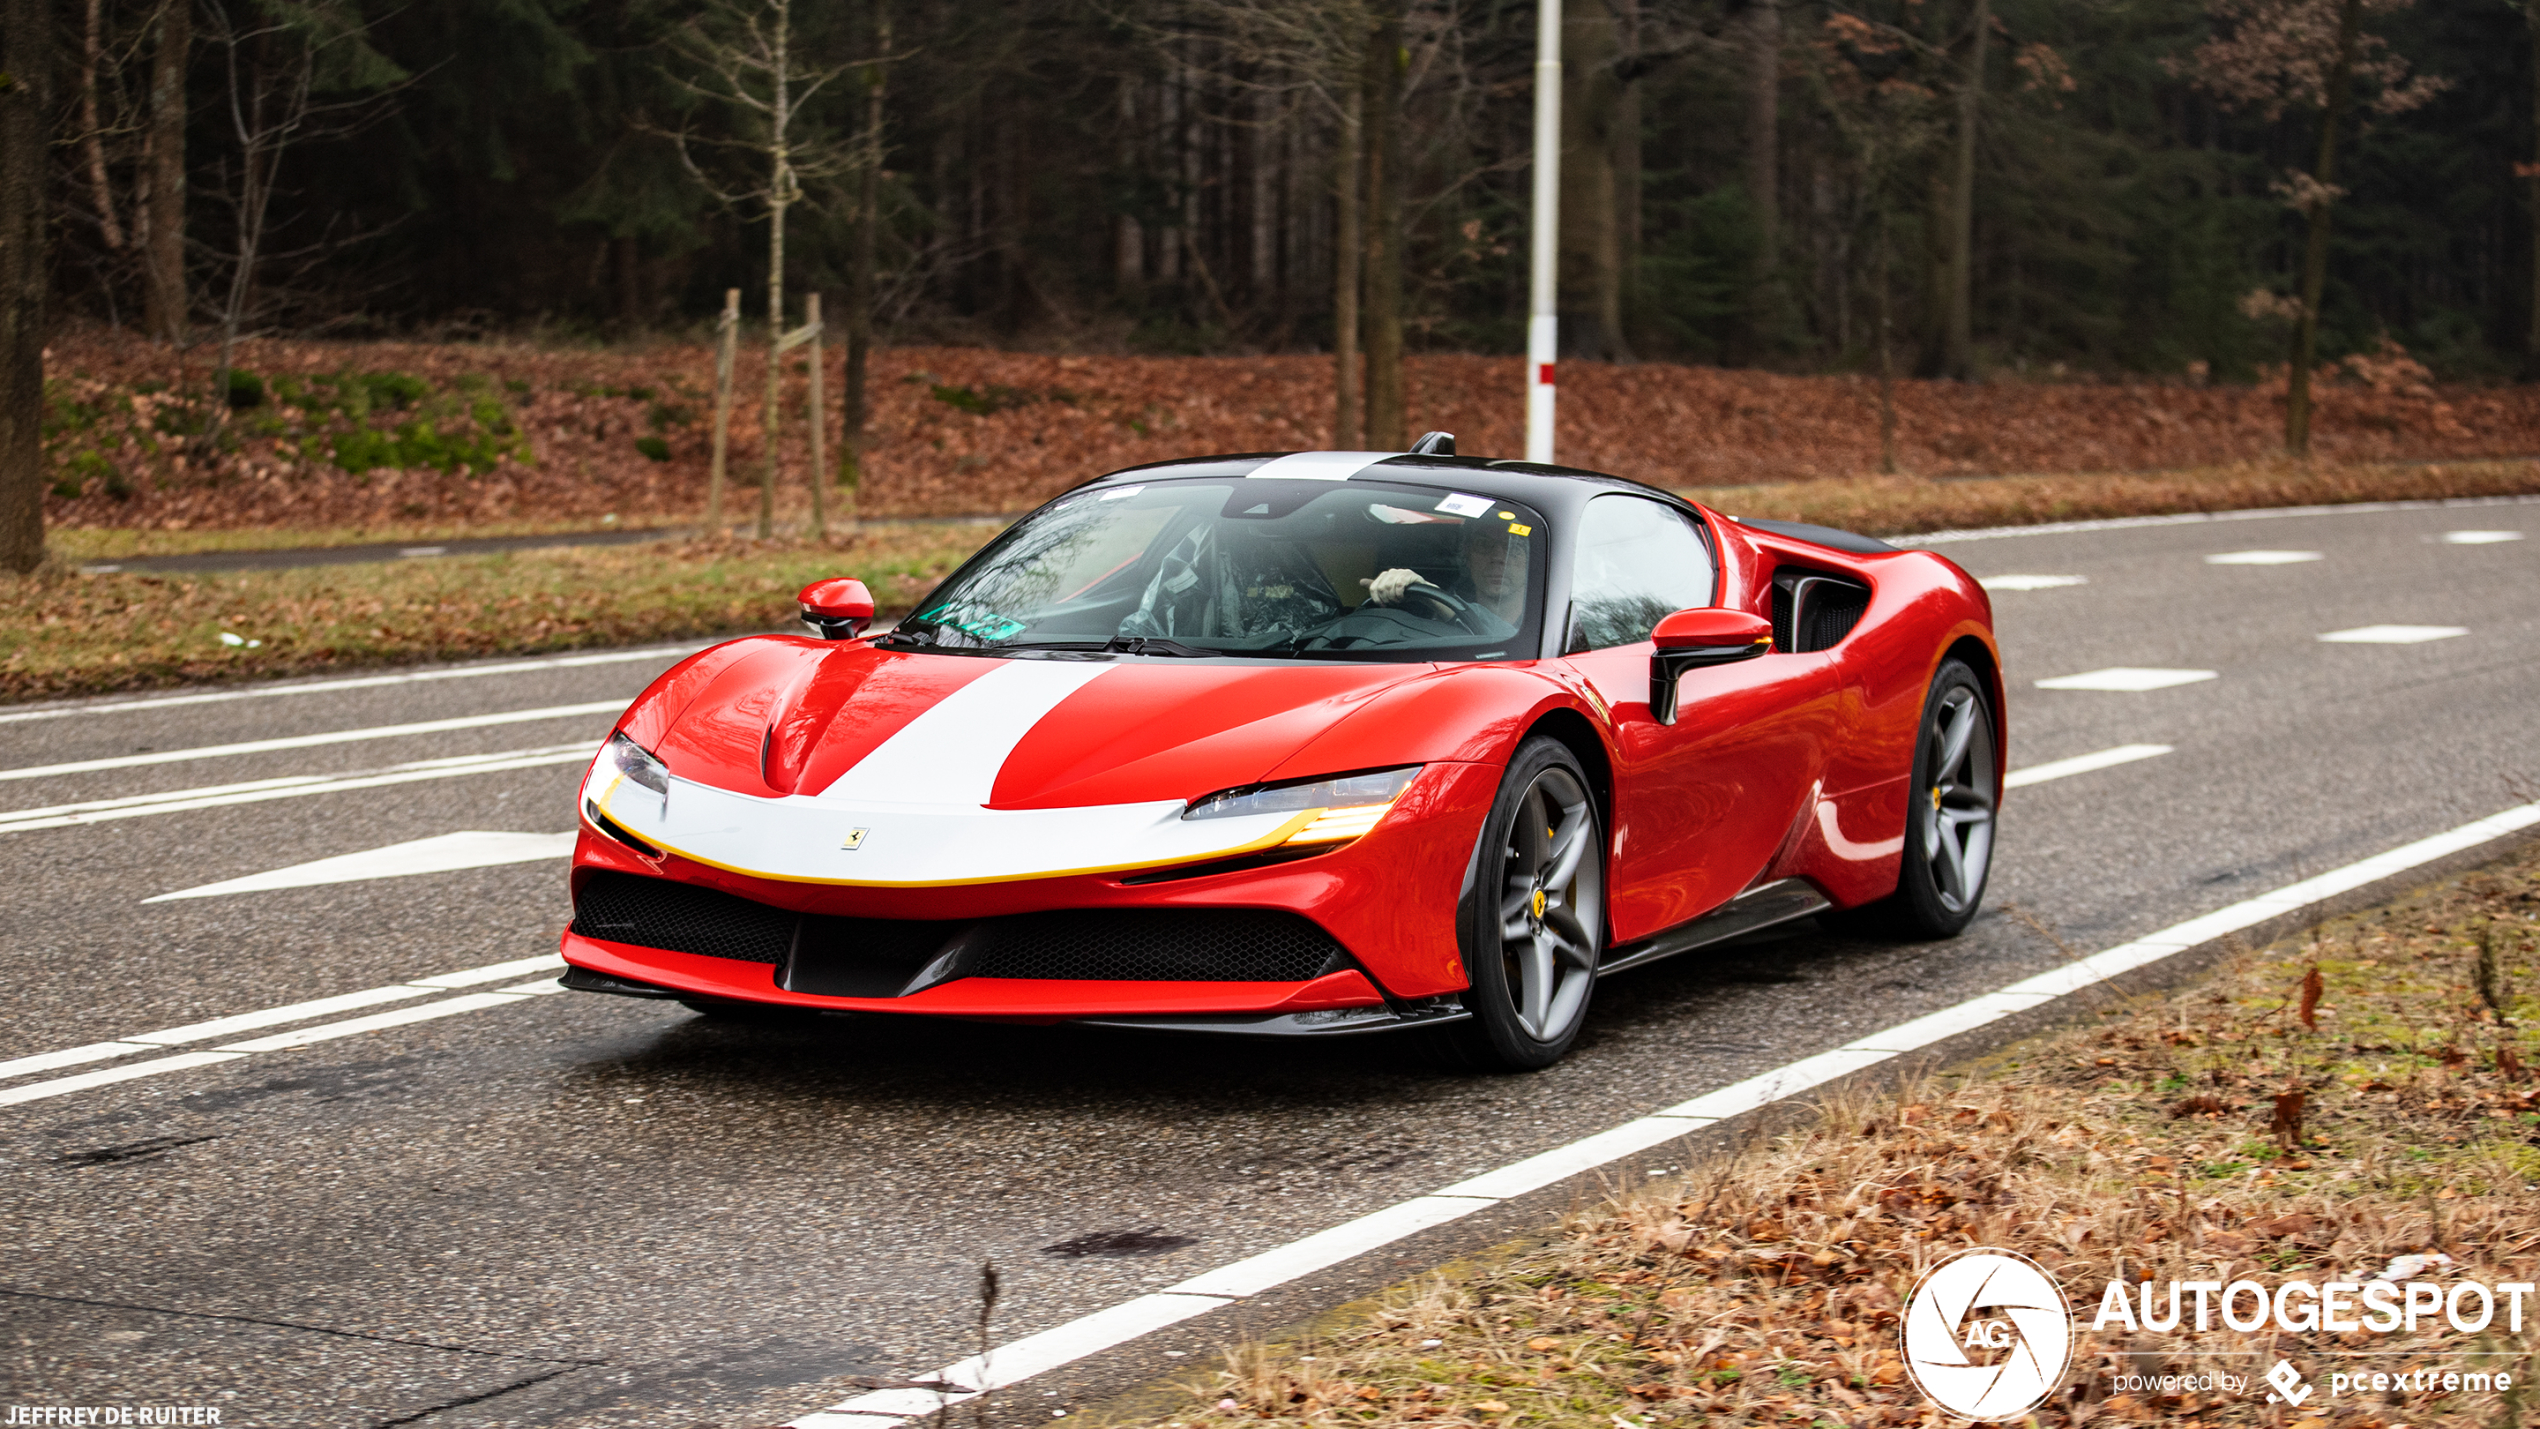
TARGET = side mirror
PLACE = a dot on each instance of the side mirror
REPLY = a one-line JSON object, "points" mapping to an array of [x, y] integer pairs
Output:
{"points": [[1690, 639], [838, 608]]}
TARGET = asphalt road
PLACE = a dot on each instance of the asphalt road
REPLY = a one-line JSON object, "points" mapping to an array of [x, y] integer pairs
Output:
{"points": [[576, 1210]]}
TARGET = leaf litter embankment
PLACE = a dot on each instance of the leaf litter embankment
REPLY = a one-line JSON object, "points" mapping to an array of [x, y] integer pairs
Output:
{"points": [[385, 434], [2257, 1125]]}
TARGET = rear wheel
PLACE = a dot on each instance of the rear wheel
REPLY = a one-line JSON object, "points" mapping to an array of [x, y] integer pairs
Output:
{"points": [[1949, 824], [1538, 925]]}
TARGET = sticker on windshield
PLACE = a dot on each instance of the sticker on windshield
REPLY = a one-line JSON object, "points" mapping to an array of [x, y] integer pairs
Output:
{"points": [[1462, 505]]}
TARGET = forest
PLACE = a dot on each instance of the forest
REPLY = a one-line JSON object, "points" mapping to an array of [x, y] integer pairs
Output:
{"points": [[2192, 191]]}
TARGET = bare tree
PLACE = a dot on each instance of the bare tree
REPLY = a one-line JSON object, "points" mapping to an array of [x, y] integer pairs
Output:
{"points": [[2277, 56], [1388, 63], [748, 64], [293, 75], [26, 65], [1887, 122]]}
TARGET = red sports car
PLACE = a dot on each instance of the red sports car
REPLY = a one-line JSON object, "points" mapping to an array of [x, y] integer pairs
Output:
{"points": [[1317, 743]]}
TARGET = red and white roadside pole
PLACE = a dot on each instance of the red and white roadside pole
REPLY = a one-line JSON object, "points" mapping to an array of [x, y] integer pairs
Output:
{"points": [[1542, 325]]}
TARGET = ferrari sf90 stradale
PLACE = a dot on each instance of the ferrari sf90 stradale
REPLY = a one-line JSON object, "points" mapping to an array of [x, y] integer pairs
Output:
{"points": [[1311, 744]]}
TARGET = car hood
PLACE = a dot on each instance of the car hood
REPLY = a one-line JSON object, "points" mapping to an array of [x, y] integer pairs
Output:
{"points": [[784, 717]]}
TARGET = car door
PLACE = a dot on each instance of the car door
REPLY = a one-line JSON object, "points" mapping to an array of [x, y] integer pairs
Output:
{"points": [[1700, 805]]}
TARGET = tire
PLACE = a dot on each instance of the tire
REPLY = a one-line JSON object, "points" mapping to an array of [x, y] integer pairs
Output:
{"points": [[1536, 929], [1954, 793]]}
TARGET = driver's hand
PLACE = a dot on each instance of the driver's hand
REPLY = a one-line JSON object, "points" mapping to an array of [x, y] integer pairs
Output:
{"points": [[1388, 588]]}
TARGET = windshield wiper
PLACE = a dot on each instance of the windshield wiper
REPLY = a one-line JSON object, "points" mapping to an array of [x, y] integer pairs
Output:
{"points": [[1116, 645]]}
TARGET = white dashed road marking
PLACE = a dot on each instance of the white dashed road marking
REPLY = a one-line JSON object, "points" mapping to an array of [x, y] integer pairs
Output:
{"points": [[251, 1021], [2263, 558], [2083, 764], [293, 786], [1132, 1319], [312, 741], [2479, 538], [2126, 679], [361, 682], [2030, 582], [2393, 634], [474, 848]]}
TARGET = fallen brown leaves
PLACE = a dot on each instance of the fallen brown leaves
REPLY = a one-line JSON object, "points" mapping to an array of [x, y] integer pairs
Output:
{"points": [[962, 430], [1767, 1290], [69, 634]]}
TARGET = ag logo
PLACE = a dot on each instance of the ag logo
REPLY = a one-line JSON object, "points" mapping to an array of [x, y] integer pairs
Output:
{"points": [[1988, 1334]]}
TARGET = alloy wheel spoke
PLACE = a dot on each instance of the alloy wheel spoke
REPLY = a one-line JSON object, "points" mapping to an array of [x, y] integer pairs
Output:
{"points": [[1952, 868], [1958, 730], [1539, 975]]}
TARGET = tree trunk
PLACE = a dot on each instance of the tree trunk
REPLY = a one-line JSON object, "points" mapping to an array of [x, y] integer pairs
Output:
{"points": [[1129, 237], [1957, 349], [25, 66], [1591, 250], [1387, 419], [164, 297], [860, 268], [1627, 160], [1763, 129], [2531, 339], [1887, 353], [819, 422], [727, 340], [780, 192], [92, 140], [1347, 240], [2306, 327]]}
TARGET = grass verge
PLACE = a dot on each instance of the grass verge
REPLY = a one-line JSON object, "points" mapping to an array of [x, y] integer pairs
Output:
{"points": [[1766, 1290], [81, 545], [68, 634], [1906, 505]]}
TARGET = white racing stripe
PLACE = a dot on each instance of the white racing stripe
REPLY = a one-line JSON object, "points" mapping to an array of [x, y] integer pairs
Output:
{"points": [[1106, 1329], [362, 682], [324, 1032], [2083, 764], [1319, 466], [312, 741], [446, 853], [292, 787], [950, 754]]}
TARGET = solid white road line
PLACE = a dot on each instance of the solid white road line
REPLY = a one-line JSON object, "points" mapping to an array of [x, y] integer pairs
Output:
{"points": [[2263, 558], [275, 1016], [311, 741], [2479, 538], [2392, 634], [362, 682], [2198, 518], [324, 1032], [472, 848], [1104, 1329], [257, 791], [2030, 582], [2126, 679], [2083, 764]]}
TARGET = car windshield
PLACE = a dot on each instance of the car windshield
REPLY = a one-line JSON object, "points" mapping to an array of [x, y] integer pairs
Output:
{"points": [[1284, 569]]}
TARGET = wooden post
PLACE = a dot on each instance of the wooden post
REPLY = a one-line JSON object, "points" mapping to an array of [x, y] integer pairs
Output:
{"points": [[727, 334], [819, 424]]}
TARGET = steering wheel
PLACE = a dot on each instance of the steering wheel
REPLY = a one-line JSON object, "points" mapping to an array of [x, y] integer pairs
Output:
{"points": [[1447, 604]]}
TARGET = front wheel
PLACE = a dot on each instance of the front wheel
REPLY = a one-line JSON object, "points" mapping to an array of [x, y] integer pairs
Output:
{"points": [[1949, 824], [1537, 927]]}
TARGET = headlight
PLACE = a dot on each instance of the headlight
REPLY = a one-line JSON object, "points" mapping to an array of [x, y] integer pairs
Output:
{"points": [[637, 763], [1348, 806]]}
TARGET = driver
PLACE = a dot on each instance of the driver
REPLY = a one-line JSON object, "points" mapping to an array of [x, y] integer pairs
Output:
{"points": [[1494, 577]]}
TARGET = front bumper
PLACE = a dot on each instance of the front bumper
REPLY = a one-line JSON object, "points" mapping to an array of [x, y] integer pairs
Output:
{"points": [[1388, 901]]}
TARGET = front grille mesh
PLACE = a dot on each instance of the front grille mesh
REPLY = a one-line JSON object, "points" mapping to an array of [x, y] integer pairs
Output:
{"points": [[680, 918], [1158, 944], [876, 957]]}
